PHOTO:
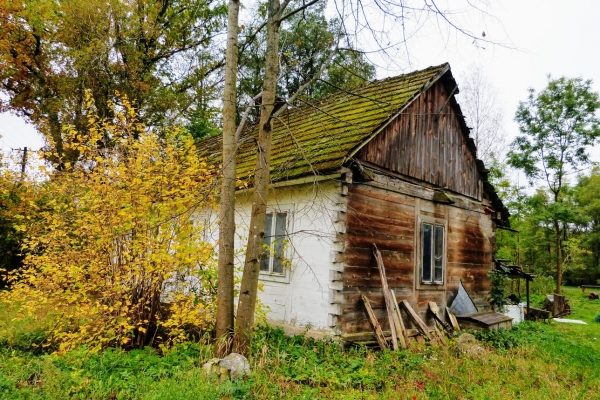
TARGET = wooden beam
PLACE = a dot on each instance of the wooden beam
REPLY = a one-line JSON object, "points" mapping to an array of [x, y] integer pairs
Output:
{"points": [[398, 322], [453, 320], [435, 310], [386, 296], [418, 322], [376, 327]]}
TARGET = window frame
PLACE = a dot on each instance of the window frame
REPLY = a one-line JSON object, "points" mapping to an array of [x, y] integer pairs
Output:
{"points": [[283, 277], [432, 283]]}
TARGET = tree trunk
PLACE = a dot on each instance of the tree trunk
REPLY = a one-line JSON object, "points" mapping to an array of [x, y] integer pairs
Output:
{"points": [[558, 258], [249, 288], [224, 324]]}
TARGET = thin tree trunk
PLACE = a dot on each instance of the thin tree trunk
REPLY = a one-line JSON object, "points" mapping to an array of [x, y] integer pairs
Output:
{"points": [[224, 324], [558, 258], [249, 288]]}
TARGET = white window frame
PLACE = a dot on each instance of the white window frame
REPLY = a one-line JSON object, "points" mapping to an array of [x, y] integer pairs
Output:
{"points": [[276, 276]]}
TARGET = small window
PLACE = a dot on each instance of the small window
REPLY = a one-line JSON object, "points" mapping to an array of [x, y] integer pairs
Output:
{"points": [[432, 253], [272, 260]]}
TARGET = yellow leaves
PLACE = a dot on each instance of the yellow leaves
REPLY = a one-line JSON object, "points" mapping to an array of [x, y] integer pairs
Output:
{"points": [[116, 243]]}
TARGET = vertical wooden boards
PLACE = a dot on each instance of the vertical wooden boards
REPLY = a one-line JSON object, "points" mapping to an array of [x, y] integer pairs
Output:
{"points": [[431, 143], [378, 332], [398, 321], [386, 295]]}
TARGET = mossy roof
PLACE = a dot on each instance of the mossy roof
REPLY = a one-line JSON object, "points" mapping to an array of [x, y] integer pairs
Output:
{"points": [[320, 136]]}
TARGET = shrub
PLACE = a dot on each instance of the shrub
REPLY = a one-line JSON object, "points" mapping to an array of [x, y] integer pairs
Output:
{"points": [[117, 251], [543, 285]]}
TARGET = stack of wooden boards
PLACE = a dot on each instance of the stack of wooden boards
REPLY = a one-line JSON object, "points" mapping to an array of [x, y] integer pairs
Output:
{"points": [[400, 335]]}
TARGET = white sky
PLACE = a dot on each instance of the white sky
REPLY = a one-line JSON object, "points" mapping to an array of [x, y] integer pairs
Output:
{"points": [[552, 37]]}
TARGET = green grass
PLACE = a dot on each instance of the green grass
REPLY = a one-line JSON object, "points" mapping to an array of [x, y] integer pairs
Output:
{"points": [[534, 360]]}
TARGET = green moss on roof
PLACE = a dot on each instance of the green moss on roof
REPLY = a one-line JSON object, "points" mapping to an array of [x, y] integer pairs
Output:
{"points": [[319, 136]]}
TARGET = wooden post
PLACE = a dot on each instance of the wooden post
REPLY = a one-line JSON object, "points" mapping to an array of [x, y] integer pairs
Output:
{"points": [[386, 296], [378, 332], [527, 285], [398, 321], [453, 320], [24, 163]]}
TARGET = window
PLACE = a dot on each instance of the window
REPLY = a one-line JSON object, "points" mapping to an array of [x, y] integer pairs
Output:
{"points": [[272, 261], [432, 253]]}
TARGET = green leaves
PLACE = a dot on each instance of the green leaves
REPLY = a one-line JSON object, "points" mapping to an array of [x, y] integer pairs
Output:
{"points": [[557, 125]]}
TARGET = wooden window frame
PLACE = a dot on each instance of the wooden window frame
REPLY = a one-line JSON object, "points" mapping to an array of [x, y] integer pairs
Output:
{"points": [[432, 284], [283, 277]]}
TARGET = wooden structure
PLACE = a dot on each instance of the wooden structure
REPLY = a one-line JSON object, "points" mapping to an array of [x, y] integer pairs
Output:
{"points": [[404, 176], [515, 272], [490, 321]]}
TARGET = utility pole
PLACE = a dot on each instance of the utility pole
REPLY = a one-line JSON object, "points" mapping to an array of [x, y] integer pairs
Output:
{"points": [[23, 163]]}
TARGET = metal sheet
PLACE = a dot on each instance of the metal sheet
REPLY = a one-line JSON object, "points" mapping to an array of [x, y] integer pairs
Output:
{"points": [[462, 304]]}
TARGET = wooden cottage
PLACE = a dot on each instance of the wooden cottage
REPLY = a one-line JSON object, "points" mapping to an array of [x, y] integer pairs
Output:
{"points": [[391, 164]]}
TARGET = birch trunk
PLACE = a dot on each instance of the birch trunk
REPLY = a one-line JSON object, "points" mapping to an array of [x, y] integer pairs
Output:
{"points": [[224, 323], [249, 288]]}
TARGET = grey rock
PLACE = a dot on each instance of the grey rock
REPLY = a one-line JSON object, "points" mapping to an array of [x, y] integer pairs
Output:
{"points": [[237, 365]]}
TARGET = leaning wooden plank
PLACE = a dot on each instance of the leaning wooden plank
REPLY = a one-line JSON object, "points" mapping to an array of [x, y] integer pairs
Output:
{"points": [[386, 296], [453, 320], [418, 322], [378, 332], [435, 311], [400, 329], [438, 336]]}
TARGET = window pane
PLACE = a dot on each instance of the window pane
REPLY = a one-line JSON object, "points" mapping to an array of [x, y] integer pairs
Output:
{"points": [[264, 258], [438, 253], [426, 244], [279, 242]]}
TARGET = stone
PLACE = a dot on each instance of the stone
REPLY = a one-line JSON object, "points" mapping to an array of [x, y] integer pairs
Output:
{"points": [[234, 366], [237, 365], [467, 345]]}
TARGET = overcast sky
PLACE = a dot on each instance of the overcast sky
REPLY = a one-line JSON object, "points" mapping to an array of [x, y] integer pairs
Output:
{"points": [[548, 37]]}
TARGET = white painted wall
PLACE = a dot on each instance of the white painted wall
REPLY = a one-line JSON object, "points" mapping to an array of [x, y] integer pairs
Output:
{"points": [[304, 300]]}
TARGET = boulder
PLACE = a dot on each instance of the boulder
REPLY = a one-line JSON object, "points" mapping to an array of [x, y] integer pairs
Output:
{"points": [[234, 366]]}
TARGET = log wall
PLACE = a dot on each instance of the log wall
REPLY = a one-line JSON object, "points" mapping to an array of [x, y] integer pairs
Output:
{"points": [[382, 213]]}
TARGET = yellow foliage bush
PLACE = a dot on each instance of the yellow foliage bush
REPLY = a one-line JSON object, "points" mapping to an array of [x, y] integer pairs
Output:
{"points": [[117, 251]]}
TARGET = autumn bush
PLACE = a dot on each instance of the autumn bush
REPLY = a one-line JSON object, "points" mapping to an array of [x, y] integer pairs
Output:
{"points": [[116, 256]]}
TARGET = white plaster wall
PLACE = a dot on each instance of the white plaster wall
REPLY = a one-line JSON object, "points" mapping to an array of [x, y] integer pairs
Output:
{"points": [[314, 208]]}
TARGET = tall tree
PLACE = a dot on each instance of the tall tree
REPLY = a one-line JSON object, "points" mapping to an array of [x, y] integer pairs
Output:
{"points": [[224, 323], [557, 126], [248, 290], [588, 200], [157, 53], [483, 113]]}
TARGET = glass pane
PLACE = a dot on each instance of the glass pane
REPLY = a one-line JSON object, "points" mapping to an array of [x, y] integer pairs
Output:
{"points": [[279, 242], [438, 254], [426, 244], [264, 258]]}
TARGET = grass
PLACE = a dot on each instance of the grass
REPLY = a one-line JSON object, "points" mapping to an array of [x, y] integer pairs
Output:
{"points": [[534, 360]]}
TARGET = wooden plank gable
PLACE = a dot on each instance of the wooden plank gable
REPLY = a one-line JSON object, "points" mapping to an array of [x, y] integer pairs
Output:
{"points": [[428, 143]]}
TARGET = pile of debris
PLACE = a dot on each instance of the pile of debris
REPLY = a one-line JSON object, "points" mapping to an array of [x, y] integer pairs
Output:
{"points": [[401, 336]]}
